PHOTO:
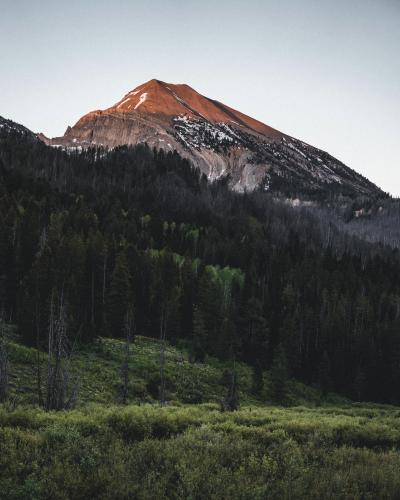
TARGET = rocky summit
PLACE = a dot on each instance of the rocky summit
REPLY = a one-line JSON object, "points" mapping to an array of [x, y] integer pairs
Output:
{"points": [[217, 139]]}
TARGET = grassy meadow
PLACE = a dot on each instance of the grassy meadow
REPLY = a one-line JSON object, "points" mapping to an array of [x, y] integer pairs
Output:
{"points": [[96, 371], [314, 447]]}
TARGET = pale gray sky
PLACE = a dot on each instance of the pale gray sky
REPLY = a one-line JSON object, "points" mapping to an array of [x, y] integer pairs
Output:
{"points": [[325, 71]]}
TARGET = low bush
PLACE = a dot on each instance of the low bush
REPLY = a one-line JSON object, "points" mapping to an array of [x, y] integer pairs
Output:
{"points": [[148, 452]]}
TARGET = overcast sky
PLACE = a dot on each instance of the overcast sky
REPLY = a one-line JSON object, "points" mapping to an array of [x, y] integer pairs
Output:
{"points": [[324, 71]]}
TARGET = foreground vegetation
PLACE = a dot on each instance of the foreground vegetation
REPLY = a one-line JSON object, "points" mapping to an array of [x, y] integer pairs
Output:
{"points": [[198, 452], [317, 447]]}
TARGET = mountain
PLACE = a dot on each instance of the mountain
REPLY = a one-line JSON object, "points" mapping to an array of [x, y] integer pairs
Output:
{"points": [[10, 127], [217, 139], [367, 212]]}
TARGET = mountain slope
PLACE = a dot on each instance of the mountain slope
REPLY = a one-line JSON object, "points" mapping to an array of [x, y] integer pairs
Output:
{"points": [[217, 139], [8, 127]]}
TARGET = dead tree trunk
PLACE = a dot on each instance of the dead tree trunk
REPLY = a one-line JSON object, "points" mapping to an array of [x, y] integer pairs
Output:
{"points": [[231, 400], [129, 337], [104, 277], [59, 395], [38, 358], [163, 334], [3, 362], [103, 293]]}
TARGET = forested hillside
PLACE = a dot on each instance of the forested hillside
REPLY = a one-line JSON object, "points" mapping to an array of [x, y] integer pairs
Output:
{"points": [[97, 238]]}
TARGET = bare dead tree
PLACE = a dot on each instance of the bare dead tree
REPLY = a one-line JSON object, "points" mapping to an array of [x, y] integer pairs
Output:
{"points": [[103, 293], [129, 337], [39, 346], [163, 336], [59, 393], [168, 302], [104, 277], [38, 356], [3, 361], [231, 400]]}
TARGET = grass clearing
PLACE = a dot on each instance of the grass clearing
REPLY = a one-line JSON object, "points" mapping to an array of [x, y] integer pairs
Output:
{"points": [[313, 448]]}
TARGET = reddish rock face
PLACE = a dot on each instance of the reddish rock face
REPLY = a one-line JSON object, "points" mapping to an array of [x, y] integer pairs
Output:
{"points": [[217, 139], [169, 100]]}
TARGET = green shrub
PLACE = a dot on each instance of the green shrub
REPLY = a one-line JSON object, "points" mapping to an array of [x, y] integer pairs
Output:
{"points": [[195, 451]]}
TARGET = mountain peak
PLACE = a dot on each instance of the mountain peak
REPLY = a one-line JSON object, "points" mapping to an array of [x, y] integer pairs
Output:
{"points": [[216, 138], [171, 100]]}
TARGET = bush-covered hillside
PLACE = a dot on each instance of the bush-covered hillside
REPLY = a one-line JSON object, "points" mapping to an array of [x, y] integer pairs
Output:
{"points": [[96, 371]]}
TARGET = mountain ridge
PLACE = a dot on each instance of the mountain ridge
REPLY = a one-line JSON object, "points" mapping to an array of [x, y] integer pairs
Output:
{"points": [[216, 138]]}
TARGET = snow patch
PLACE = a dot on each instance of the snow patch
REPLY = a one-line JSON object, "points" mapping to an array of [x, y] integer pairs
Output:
{"points": [[292, 146], [179, 99], [142, 98], [198, 134], [123, 102]]}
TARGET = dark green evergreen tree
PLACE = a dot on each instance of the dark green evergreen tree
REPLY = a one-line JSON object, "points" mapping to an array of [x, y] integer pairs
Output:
{"points": [[324, 374], [257, 385], [279, 375], [199, 337], [119, 297]]}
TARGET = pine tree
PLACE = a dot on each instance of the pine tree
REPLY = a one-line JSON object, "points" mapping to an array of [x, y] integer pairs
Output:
{"points": [[226, 345], [257, 379], [199, 337], [187, 298], [255, 331], [94, 277], [165, 298], [119, 297], [324, 374], [359, 384], [279, 375], [210, 306]]}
